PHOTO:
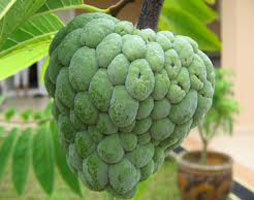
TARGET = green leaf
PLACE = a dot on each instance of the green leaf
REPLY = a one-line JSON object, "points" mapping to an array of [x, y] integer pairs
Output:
{"points": [[16, 16], [5, 5], [225, 108], [10, 113], [53, 5], [26, 115], [26, 56], [44, 68], [67, 175], [56, 5], [35, 29], [6, 149], [184, 23], [48, 108], [210, 1], [197, 8], [2, 129], [43, 159], [21, 160], [28, 44], [2, 99], [38, 115], [142, 189]]}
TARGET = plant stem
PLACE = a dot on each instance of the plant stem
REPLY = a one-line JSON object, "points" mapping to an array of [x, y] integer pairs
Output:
{"points": [[84, 7], [115, 9], [203, 159], [150, 13]]}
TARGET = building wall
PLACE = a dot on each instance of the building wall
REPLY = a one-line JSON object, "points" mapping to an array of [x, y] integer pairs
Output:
{"points": [[238, 54]]}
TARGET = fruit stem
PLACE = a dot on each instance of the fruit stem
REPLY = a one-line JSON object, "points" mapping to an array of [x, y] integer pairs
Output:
{"points": [[150, 14], [203, 159], [115, 9]]}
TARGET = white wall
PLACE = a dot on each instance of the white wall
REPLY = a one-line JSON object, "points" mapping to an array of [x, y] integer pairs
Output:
{"points": [[238, 53]]}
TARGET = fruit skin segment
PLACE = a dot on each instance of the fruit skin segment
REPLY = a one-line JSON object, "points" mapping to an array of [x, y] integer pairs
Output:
{"points": [[123, 97]]}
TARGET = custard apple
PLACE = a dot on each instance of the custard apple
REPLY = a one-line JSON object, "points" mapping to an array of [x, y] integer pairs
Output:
{"points": [[123, 97]]}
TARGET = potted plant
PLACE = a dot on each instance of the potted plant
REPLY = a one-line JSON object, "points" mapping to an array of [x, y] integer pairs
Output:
{"points": [[207, 175]]}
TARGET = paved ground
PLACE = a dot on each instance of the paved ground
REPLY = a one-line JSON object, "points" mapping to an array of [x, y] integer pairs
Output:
{"points": [[240, 146], [36, 103]]}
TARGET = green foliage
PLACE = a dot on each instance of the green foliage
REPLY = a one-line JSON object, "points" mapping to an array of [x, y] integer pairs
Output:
{"points": [[225, 108], [57, 5], [6, 149], [198, 8], [44, 68], [10, 113], [2, 99], [155, 187], [26, 56], [38, 145], [137, 99], [1, 131], [5, 5], [43, 160], [25, 35], [21, 159], [14, 17], [210, 1], [26, 115], [26, 30], [190, 17], [28, 44], [60, 160]]}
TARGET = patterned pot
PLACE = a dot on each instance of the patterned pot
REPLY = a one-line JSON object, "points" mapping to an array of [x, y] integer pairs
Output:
{"points": [[205, 182]]}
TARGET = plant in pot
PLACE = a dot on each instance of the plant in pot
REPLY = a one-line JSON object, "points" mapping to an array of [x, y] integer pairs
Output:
{"points": [[206, 175]]}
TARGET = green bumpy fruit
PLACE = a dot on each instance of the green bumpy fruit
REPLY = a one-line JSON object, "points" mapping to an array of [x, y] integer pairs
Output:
{"points": [[123, 97]]}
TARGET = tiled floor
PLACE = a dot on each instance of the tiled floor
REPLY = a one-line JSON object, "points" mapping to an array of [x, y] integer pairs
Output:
{"points": [[37, 103]]}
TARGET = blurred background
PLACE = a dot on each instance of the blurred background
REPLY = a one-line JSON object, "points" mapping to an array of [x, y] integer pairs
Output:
{"points": [[230, 47]]}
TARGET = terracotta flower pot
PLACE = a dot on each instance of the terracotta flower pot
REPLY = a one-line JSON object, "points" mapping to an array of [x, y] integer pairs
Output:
{"points": [[205, 182]]}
